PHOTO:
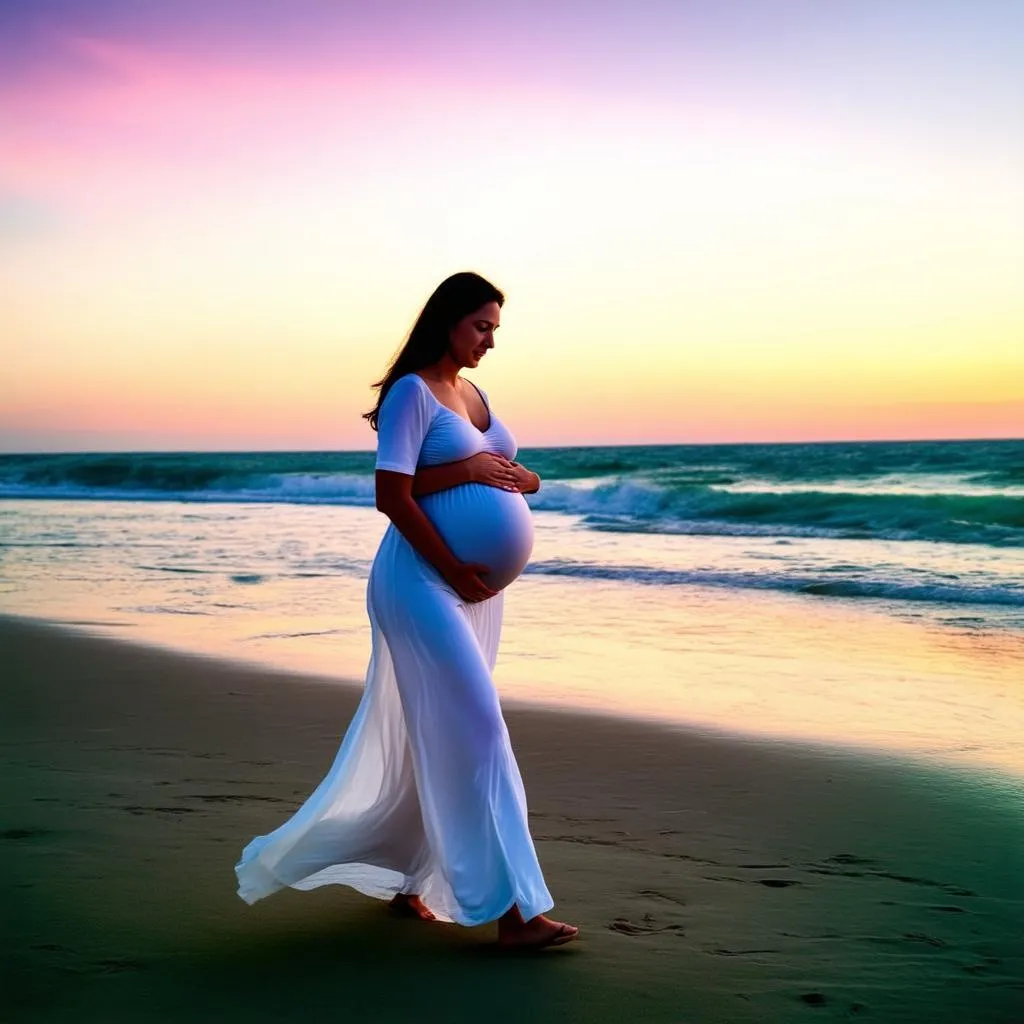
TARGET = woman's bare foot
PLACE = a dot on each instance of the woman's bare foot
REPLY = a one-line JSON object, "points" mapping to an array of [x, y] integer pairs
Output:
{"points": [[410, 905], [538, 932]]}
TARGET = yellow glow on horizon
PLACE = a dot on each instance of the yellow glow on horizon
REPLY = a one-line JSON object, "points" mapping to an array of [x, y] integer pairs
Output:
{"points": [[681, 283]]}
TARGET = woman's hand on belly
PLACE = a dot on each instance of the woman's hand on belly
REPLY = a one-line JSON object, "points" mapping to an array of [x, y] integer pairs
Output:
{"points": [[487, 468], [492, 469], [464, 577], [525, 480]]}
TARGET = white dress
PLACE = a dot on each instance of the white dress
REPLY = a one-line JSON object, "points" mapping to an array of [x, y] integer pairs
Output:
{"points": [[425, 795]]}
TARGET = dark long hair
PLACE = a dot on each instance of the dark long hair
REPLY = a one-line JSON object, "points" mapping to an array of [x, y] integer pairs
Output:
{"points": [[454, 298]]}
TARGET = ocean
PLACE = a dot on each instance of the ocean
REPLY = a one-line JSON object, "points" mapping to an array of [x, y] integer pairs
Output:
{"points": [[857, 593]]}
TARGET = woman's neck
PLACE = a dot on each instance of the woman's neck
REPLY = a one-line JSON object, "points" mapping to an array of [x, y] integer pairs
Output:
{"points": [[444, 371]]}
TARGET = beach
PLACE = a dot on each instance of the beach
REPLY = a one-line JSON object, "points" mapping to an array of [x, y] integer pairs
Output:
{"points": [[714, 877]]}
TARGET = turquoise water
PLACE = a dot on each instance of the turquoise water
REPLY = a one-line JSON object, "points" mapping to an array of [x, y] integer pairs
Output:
{"points": [[953, 491], [941, 522]]}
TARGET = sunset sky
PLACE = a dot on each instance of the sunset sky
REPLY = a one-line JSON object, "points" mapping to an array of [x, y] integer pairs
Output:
{"points": [[717, 221]]}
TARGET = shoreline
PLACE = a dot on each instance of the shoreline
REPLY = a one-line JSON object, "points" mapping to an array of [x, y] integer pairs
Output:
{"points": [[715, 877], [997, 776]]}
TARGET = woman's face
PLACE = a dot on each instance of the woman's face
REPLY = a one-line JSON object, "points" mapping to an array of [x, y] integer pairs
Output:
{"points": [[473, 335]]}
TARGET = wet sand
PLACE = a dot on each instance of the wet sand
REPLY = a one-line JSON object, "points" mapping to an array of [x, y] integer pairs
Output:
{"points": [[715, 878]]}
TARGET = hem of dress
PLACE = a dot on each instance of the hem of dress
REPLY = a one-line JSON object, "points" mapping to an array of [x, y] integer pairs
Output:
{"points": [[266, 883], [257, 881], [542, 908]]}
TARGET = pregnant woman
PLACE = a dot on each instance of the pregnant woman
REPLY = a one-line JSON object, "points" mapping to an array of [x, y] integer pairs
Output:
{"points": [[424, 803]]}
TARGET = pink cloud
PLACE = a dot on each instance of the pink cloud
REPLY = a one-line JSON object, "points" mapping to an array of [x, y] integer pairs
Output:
{"points": [[177, 118]]}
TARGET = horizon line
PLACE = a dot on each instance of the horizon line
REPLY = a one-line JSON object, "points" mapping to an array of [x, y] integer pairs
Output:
{"points": [[527, 447]]}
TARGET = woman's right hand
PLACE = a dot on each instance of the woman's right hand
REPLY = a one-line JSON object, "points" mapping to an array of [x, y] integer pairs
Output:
{"points": [[493, 470], [465, 579]]}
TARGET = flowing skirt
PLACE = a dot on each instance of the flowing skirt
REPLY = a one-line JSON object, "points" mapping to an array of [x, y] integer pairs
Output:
{"points": [[424, 795]]}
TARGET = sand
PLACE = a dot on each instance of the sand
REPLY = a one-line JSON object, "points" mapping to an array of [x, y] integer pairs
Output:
{"points": [[715, 878]]}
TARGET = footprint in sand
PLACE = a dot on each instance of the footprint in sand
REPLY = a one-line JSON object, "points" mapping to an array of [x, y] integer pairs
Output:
{"points": [[842, 864], [15, 834], [138, 809], [219, 798], [115, 965], [624, 926], [848, 858], [927, 939], [654, 894]]}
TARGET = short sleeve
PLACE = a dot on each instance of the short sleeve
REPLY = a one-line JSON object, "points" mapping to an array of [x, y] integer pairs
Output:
{"points": [[402, 423]]}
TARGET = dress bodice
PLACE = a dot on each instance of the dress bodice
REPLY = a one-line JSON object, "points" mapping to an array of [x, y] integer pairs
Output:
{"points": [[415, 429]]}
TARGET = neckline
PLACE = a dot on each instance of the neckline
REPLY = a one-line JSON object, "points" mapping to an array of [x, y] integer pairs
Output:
{"points": [[465, 419]]}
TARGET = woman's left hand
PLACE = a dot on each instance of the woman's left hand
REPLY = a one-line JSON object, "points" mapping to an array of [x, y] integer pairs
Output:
{"points": [[526, 481], [492, 469]]}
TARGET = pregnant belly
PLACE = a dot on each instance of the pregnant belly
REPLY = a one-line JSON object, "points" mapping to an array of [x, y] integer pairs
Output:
{"points": [[484, 524]]}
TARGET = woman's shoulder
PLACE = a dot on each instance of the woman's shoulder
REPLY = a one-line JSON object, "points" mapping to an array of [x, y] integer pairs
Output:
{"points": [[407, 380], [408, 396], [410, 386]]}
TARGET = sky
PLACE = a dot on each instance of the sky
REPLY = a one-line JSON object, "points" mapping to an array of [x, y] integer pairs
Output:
{"points": [[766, 220]]}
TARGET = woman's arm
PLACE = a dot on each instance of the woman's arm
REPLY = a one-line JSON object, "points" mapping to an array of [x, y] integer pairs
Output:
{"points": [[395, 500], [431, 479], [482, 468]]}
